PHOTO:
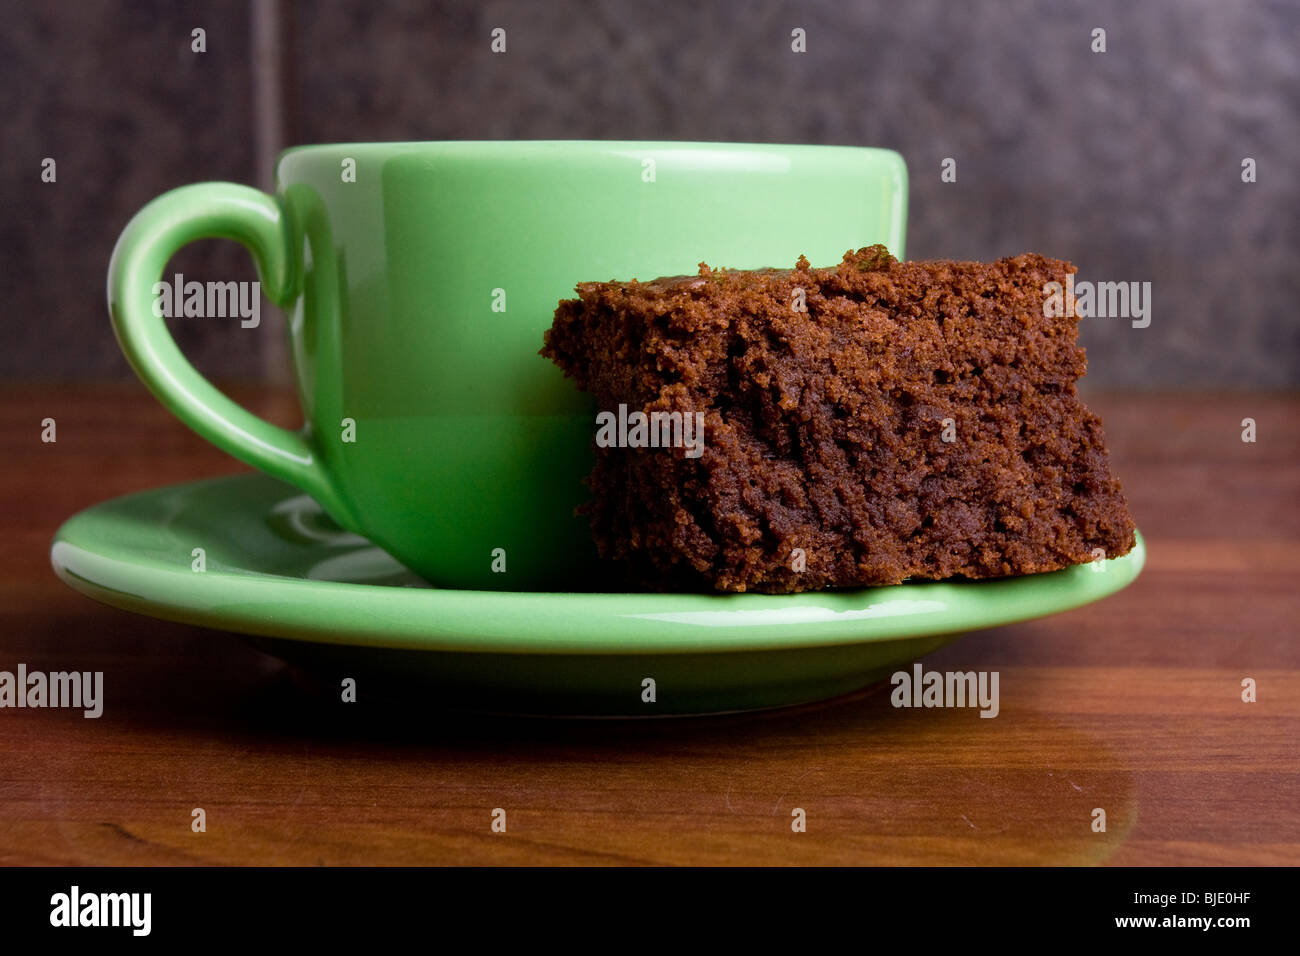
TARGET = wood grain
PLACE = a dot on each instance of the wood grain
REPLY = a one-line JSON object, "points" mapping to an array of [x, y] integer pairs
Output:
{"points": [[1132, 705]]}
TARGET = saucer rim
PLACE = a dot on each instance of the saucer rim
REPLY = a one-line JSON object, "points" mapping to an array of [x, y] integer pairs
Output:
{"points": [[553, 622]]}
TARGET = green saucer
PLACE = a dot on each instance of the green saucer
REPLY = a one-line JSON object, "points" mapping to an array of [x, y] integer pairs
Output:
{"points": [[277, 569]]}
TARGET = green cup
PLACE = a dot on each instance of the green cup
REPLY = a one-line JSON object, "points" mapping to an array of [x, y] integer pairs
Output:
{"points": [[419, 279]]}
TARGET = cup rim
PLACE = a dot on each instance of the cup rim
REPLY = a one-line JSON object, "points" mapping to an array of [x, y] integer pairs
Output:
{"points": [[595, 145]]}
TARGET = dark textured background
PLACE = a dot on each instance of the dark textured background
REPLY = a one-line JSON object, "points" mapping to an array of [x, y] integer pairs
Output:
{"points": [[1127, 162]]}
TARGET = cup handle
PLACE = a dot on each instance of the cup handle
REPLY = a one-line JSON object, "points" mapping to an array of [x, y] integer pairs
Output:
{"points": [[256, 221]]}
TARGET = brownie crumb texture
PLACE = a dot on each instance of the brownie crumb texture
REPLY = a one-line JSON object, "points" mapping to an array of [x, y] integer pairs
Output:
{"points": [[864, 424]]}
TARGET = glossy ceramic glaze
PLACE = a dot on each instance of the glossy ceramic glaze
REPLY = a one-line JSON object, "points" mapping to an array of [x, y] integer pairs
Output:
{"points": [[419, 279], [277, 567]]}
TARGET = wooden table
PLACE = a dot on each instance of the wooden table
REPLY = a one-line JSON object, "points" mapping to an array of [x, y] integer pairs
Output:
{"points": [[1132, 705]]}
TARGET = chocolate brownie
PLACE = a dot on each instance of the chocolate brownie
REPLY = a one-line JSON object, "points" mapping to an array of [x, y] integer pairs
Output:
{"points": [[862, 425]]}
